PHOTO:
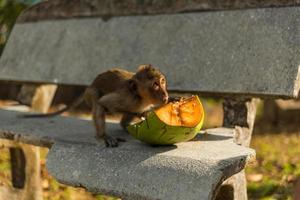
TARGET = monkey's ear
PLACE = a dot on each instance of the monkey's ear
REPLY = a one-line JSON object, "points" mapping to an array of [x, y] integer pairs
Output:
{"points": [[132, 84], [145, 67]]}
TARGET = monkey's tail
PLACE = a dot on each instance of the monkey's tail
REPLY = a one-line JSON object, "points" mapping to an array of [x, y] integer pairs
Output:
{"points": [[73, 105]]}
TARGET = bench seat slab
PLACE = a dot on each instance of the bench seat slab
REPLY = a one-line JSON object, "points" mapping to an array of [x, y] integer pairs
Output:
{"points": [[189, 170]]}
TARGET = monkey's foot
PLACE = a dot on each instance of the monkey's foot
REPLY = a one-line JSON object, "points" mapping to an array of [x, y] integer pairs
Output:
{"points": [[112, 142], [121, 140]]}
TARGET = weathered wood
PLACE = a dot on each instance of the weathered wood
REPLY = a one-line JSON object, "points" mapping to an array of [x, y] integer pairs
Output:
{"points": [[271, 111], [240, 115], [61, 9], [43, 97], [225, 52], [38, 97], [18, 163], [225, 192], [234, 188], [33, 186], [26, 94], [25, 162]]}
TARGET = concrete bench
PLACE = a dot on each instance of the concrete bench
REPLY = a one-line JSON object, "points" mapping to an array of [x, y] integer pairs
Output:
{"points": [[239, 55]]}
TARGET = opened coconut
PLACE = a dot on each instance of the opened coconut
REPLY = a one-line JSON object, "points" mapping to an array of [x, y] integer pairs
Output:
{"points": [[172, 123]]}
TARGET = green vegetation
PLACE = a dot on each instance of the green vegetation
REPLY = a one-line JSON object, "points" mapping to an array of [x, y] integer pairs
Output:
{"points": [[277, 169], [9, 11]]}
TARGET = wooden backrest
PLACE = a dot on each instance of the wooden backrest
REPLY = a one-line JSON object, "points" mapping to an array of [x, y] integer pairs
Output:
{"points": [[253, 52]]}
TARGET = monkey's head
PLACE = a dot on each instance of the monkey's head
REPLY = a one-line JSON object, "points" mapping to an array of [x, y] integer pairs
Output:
{"points": [[150, 85]]}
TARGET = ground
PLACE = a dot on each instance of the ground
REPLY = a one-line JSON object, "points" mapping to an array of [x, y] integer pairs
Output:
{"points": [[272, 176]]}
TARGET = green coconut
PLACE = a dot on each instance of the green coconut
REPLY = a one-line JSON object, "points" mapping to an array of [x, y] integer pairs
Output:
{"points": [[172, 123]]}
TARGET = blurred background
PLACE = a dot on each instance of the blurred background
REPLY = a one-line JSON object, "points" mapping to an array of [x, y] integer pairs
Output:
{"points": [[276, 137]]}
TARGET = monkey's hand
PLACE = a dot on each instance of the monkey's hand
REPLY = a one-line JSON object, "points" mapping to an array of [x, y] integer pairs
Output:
{"points": [[143, 115]]}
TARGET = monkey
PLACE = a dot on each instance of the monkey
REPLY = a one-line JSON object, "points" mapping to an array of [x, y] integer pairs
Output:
{"points": [[120, 91]]}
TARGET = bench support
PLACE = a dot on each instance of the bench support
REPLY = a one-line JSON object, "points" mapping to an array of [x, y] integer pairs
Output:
{"points": [[271, 111], [25, 168], [38, 97], [26, 175], [240, 115], [18, 163]]}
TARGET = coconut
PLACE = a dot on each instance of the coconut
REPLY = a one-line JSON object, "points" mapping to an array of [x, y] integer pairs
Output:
{"points": [[174, 122]]}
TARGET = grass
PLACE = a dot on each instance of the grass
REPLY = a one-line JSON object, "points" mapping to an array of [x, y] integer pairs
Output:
{"points": [[277, 166]]}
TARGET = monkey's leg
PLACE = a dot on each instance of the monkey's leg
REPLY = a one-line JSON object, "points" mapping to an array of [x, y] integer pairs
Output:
{"points": [[98, 111], [99, 121]]}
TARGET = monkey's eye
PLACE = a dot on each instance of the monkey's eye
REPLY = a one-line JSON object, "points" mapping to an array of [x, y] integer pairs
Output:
{"points": [[162, 81], [155, 86]]}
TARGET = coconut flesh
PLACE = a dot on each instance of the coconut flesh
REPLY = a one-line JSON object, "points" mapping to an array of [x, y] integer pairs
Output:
{"points": [[186, 112], [172, 123]]}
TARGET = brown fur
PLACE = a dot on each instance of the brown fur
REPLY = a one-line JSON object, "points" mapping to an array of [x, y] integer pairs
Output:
{"points": [[120, 91]]}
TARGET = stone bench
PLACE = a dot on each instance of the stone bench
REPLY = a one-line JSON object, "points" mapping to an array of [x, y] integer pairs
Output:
{"points": [[189, 170], [239, 55]]}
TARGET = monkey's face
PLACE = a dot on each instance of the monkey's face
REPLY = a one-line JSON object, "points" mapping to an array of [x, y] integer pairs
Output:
{"points": [[152, 85], [154, 91], [158, 89]]}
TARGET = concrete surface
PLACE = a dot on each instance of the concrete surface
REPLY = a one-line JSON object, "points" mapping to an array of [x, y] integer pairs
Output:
{"points": [[190, 170], [254, 51], [77, 8]]}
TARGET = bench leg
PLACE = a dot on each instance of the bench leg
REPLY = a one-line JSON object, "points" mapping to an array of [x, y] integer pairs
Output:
{"points": [[25, 159], [25, 171], [39, 97], [240, 115], [18, 163], [234, 188], [32, 189], [271, 111]]}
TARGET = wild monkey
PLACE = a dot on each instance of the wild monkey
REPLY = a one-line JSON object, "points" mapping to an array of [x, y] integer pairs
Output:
{"points": [[120, 91]]}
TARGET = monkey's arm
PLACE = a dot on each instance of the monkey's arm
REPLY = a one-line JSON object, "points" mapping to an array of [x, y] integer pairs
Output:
{"points": [[107, 103], [99, 122]]}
